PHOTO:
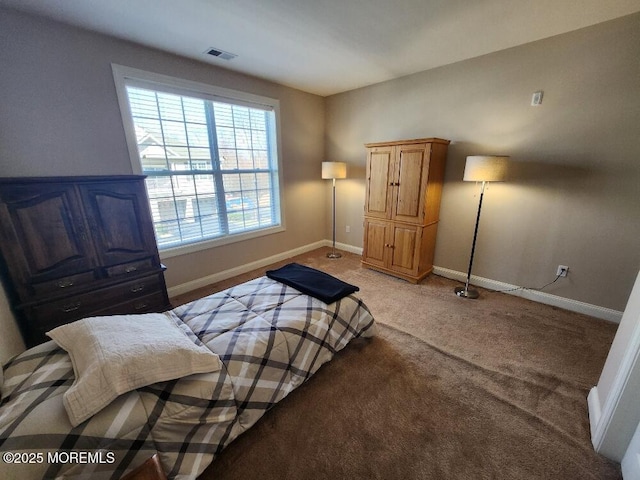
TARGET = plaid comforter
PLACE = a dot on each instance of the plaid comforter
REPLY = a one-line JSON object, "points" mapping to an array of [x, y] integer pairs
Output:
{"points": [[270, 338]]}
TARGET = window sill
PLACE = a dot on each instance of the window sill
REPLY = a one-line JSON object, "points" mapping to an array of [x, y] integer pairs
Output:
{"points": [[217, 242]]}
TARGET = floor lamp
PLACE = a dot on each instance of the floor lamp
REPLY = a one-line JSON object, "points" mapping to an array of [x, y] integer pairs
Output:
{"points": [[333, 171], [485, 169]]}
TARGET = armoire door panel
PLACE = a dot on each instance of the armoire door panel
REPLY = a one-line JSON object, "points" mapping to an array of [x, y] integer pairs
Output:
{"points": [[115, 213], [378, 183], [375, 242], [35, 215], [411, 165], [405, 240], [116, 219]]}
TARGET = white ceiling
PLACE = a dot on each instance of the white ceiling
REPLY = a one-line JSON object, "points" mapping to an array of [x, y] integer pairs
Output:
{"points": [[330, 46]]}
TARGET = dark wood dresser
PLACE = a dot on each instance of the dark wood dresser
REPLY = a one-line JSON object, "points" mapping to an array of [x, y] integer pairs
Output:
{"points": [[74, 247]]}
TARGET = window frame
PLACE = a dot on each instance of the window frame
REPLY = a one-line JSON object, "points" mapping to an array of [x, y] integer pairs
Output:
{"points": [[128, 76]]}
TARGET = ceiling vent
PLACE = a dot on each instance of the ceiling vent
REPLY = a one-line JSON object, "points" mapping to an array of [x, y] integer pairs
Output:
{"points": [[220, 54]]}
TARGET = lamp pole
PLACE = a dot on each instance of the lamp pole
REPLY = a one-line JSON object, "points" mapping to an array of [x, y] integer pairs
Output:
{"points": [[334, 170], [333, 253], [465, 292]]}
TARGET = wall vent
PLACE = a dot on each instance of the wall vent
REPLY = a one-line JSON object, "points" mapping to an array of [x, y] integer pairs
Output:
{"points": [[215, 52]]}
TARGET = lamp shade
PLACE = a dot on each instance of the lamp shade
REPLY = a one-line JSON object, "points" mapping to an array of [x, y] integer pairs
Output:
{"points": [[334, 170], [486, 168]]}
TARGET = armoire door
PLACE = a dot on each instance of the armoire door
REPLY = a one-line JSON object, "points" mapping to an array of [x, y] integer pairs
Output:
{"points": [[410, 180], [116, 213], [44, 232], [379, 184], [405, 249], [376, 245]]}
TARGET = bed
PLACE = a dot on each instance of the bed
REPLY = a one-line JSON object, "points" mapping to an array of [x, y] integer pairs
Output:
{"points": [[269, 338]]}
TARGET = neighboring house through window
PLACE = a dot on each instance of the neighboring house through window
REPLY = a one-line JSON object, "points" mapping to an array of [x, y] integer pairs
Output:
{"points": [[210, 156]]}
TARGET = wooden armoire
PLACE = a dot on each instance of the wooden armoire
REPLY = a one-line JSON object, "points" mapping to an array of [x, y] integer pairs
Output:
{"points": [[402, 204], [73, 247]]}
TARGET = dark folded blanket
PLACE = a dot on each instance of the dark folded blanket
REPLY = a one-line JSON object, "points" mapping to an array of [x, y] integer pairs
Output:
{"points": [[312, 282]]}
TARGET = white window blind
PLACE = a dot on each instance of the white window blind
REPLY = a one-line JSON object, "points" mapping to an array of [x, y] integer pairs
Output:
{"points": [[211, 163]]}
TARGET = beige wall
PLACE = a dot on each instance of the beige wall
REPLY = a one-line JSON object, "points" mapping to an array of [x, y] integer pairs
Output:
{"points": [[572, 198], [60, 116], [574, 193]]}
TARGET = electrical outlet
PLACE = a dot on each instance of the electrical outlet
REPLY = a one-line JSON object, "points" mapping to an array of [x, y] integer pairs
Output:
{"points": [[562, 271], [348, 229]]}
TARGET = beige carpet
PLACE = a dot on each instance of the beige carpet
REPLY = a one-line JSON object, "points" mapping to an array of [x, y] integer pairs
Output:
{"points": [[449, 389]]}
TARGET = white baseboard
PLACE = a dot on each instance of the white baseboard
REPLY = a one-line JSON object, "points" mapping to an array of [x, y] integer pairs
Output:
{"points": [[345, 247], [595, 412], [546, 298], [232, 272], [535, 295]]}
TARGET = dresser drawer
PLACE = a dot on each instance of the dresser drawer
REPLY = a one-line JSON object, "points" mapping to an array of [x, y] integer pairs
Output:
{"points": [[131, 268], [78, 306], [63, 285], [138, 288], [155, 302], [145, 294]]}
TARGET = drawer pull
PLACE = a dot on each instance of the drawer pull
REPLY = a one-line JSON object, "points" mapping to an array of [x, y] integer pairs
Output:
{"points": [[64, 283], [140, 306], [130, 269], [71, 307], [137, 288]]}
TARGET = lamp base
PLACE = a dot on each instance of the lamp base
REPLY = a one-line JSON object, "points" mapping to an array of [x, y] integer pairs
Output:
{"points": [[334, 255], [466, 292]]}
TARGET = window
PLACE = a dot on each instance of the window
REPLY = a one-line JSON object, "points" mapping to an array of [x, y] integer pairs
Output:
{"points": [[210, 159]]}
